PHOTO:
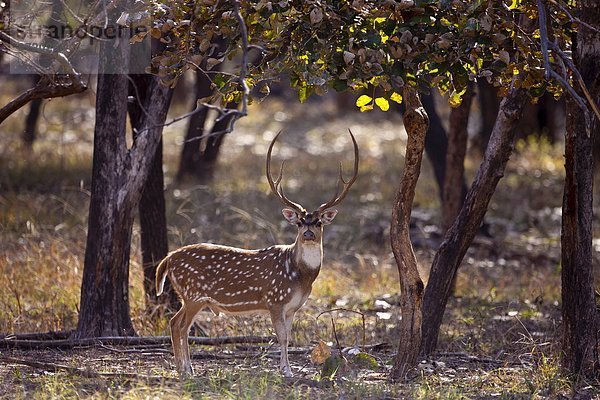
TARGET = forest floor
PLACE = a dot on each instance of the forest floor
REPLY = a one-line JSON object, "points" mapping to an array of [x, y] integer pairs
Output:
{"points": [[501, 332]]}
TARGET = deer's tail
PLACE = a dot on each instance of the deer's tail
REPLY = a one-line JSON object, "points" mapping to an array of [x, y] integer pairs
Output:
{"points": [[161, 275]]}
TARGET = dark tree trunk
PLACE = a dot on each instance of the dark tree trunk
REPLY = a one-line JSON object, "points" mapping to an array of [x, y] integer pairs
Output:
{"points": [[31, 122], [454, 188], [459, 237], [118, 178], [201, 149], [580, 317], [35, 106], [436, 147], [104, 290], [153, 221], [488, 106], [190, 151], [436, 142], [411, 285]]}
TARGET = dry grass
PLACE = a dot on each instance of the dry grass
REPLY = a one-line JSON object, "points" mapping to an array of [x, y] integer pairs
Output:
{"points": [[506, 314]]}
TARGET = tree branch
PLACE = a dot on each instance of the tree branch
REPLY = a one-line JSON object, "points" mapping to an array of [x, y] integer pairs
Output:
{"points": [[128, 341], [44, 89], [545, 44]]}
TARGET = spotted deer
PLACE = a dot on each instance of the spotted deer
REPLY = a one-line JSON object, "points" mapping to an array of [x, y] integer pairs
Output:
{"points": [[276, 280]]}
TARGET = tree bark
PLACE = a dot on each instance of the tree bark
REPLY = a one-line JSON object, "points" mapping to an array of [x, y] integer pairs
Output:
{"points": [[459, 237], [580, 318], [411, 285], [118, 178]]}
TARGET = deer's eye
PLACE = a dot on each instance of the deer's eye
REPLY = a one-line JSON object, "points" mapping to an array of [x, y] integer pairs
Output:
{"points": [[318, 224]]}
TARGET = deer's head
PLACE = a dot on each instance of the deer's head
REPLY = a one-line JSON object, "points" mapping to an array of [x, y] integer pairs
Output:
{"points": [[310, 224]]}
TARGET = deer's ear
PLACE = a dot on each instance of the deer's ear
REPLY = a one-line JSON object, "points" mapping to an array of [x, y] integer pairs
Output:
{"points": [[290, 215], [328, 216]]}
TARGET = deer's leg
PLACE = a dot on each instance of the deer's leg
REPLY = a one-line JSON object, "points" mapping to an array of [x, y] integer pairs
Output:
{"points": [[289, 319], [281, 330], [176, 338], [186, 324]]}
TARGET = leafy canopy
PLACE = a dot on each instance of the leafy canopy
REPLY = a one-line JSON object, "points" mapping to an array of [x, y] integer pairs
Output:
{"points": [[378, 46]]}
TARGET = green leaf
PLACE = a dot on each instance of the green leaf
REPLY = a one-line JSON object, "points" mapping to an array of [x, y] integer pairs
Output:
{"points": [[365, 361], [397, 97], [382, 103], [363, 100]]}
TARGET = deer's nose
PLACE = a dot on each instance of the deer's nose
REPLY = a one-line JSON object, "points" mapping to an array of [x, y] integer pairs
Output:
{"points": [[308, 235]]}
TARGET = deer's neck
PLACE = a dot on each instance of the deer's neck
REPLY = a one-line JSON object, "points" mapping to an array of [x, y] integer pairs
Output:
{"points": [[308, 256]]}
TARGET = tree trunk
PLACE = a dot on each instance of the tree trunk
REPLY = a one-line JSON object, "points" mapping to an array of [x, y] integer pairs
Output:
{"points": [[459, 237], [118, 178], [190, 151], [153, 221], [411, 285], [199, 154], [104, 290], [488, 106], [31, 122], [454, 178], [580, 318], [436, 142]]}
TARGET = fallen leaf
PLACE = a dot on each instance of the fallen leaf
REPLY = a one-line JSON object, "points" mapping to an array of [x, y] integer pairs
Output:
{"points": [[320, 353]]}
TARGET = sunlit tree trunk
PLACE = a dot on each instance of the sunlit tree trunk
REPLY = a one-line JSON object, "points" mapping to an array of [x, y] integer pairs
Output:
{"points": [[411, 285], [460, 235]]}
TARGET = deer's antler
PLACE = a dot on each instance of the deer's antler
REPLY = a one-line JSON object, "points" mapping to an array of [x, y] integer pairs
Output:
{"points": [[339, 196], [276, 184]]}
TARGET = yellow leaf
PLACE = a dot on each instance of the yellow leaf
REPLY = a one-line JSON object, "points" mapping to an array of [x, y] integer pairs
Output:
{"points": [[397, 97], [368, 107], [456, 98], [363, 100], [382, 103], [320, 353]]}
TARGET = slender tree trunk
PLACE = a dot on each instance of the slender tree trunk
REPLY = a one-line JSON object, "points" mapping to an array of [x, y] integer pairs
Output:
{"points": [[580, 317], [411, 285], [199, 154], [454, 178], [436, 147], [488, 105], [459, 237], [31, 122], [153, 221], [190, 151], [436, 142]]}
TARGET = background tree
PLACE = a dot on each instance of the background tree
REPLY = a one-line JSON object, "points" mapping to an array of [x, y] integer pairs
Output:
{"points": [[580, 316], [151, 209]]}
